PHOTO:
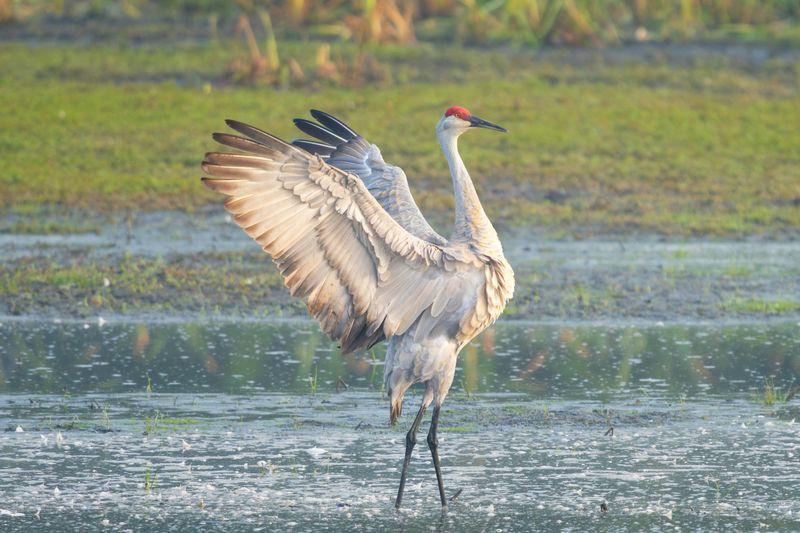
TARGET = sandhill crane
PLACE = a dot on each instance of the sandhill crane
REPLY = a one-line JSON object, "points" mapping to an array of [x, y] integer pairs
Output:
{"points": [[347, 236]]}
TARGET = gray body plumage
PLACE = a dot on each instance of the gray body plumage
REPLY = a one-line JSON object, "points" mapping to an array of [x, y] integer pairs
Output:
{"points": [[346, 234]]}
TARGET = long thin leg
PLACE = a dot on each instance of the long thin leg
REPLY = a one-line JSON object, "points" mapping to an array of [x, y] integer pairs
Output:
{"points": [[411, 440], [433, 444]]}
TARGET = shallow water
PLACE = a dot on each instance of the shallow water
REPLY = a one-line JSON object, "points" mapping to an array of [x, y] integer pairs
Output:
{"points": [[265, 426]]}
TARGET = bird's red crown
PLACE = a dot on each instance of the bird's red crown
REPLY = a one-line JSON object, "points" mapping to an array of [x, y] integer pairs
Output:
{"points": [[460, 112]]}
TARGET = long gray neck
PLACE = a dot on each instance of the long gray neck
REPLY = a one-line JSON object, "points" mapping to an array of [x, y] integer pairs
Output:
{"points": [[471, 223]]}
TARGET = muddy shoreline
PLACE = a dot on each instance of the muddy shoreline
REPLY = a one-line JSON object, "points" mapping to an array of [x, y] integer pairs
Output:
{"points": [[201, 266]]}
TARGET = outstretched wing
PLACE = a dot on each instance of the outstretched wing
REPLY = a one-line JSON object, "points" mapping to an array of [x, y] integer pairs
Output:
{"points": [[363, 276], [345, 149]]}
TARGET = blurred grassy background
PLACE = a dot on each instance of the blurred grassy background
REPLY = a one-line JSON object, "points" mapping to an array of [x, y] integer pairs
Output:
{"points": [[113, 103], [465, 21]]}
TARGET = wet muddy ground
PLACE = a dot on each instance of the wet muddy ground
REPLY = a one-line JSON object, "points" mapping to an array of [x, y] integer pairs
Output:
{"points": [[636, 383], [167, 263], [230, 426]]}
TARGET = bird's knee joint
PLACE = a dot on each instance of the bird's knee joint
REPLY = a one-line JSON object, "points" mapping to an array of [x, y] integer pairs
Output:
{"points": [[411, 439], [433, 441]]}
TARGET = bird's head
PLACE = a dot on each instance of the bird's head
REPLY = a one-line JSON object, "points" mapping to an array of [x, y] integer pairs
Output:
{"points": [[457, 120]]}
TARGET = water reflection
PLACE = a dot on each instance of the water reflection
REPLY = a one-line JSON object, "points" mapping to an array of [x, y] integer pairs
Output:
{"points": [[565, 361], [89, 435]]}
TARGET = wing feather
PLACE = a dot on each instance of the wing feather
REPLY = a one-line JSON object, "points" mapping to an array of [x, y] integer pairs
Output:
{"points": [[334, 124], [347, 150], [363, 275], [314, 147], [315, 130]]}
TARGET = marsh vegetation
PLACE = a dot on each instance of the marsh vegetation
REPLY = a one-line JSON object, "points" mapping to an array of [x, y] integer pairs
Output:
{"points": [[679, 139], [153, 370]]}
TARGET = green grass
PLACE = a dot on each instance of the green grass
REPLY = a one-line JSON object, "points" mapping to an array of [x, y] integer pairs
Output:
{"points": [[178, 421], [152, 424], [770, 394], [45, 226], [146, 284], [767, 307], [62, 277], [704, 150], [150, 480], [738, 271], [469, 428]]}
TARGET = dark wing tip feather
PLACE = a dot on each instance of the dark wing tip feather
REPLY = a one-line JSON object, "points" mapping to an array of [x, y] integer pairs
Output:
{"points": [[227, 139], [314, 147], [254, 133], [241, 127], [334, 124], [245, 144], [321, 133], [238, 125]]}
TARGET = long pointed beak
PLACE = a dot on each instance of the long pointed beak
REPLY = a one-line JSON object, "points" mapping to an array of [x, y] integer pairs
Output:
{"points": [[476, 122]]}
